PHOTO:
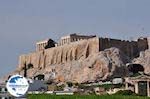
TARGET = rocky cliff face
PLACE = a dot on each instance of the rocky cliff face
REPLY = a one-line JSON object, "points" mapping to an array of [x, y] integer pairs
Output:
{"points": [[144, 59], [97, 66], [76, 62], [61, 54]]}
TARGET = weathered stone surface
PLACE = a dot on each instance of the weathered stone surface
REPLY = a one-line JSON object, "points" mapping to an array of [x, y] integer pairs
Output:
{"points": [[144, 59], [97, 66], [86, 60], [76, 62], [61, 54]]}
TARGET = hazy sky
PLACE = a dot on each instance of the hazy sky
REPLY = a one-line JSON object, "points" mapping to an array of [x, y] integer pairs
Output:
{"points": [[23, 22]]}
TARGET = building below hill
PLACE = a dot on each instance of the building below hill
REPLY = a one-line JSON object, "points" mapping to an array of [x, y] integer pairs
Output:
{"points": [[139, 84]]}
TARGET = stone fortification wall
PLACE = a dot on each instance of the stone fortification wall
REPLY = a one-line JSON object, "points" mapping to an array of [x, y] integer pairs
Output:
{"points": [[130, 48], [142, 44], [148, 42], [60, 54]]}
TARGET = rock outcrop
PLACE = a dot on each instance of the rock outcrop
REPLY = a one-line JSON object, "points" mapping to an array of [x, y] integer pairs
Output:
{"points": [[60, 54], [144, 60], [98, 66]]}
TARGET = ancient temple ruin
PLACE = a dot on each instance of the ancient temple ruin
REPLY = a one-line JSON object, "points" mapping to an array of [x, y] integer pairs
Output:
{"points": [[42, 45], [73, 38]]}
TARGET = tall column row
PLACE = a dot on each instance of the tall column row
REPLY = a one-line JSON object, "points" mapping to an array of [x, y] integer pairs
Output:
{"points": [[41, 46], [65, 41]]}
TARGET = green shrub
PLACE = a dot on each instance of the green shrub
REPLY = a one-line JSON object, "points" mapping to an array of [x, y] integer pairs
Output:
{"points": [[59, 88], [125, 92], [48, 96]]}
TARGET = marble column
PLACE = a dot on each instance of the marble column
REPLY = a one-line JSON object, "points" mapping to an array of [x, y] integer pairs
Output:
{"points": [[126, 86], [36, 48], [136, 87], [148, 89], [42, 45], [68, 40], [39, 46], [62, 41]]}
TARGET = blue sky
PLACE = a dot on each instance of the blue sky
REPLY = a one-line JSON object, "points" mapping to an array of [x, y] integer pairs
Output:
{"points": [[23, 22]]}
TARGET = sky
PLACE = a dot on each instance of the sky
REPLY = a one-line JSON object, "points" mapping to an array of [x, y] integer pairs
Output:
{"points": [[24, 22]]}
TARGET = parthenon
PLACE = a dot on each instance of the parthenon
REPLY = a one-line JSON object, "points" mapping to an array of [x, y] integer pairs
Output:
{"points": [[48, 43], [72, 38], [41, 45]]}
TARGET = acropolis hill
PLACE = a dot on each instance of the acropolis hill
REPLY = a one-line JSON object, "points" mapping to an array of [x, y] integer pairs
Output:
{"points": [[81, 58]]}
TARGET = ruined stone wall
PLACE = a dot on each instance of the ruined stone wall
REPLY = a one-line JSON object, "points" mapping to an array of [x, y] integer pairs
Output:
{"points": [[130, 48], [60, 54], [142, 44]]}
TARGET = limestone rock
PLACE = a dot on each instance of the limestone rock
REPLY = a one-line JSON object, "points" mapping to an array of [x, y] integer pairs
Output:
{"points": [[144, 59], [98, 66], [77, 62], [60, 54]]}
